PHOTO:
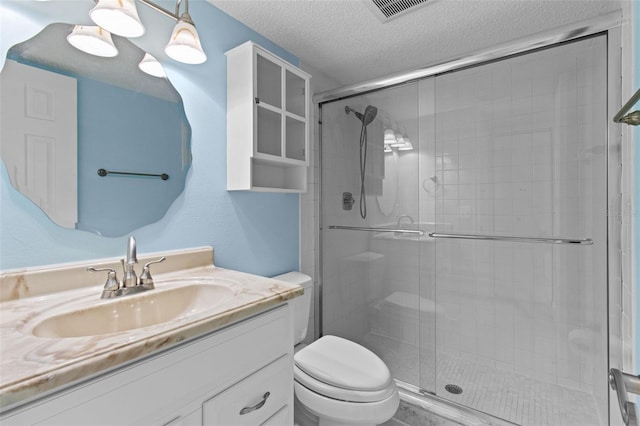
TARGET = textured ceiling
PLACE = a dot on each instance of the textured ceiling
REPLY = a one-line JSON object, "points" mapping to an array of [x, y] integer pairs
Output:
{"points": [[346, 41]]}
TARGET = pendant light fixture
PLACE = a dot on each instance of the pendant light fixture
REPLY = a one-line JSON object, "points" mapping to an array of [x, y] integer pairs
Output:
{"points": [[118, 17], [389, 136], [399, 141], [121, 17], [407, 146], [184, 44], [93, 40], [151, 66]]}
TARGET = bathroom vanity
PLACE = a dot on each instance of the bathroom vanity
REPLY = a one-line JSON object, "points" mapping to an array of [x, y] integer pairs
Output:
{"points": [[228, 360]]}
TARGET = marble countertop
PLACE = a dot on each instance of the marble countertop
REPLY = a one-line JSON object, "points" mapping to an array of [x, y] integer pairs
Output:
{"points": [[31, 366]]}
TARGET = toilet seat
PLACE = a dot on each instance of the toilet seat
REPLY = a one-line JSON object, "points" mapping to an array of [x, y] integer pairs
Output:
{"points": [[340, 369], [344, 364], [347, 395]]}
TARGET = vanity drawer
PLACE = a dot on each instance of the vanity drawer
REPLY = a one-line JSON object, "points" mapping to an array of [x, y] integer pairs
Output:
{"points": [[253, 400], [282, 417]]}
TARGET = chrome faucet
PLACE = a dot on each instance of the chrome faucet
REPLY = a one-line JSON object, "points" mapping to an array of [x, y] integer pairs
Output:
{"points": [[130, 278], [130, 284]]}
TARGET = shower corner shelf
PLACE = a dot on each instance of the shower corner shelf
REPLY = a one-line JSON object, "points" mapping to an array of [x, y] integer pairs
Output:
{"points": [[367, 257], [267, 122]]}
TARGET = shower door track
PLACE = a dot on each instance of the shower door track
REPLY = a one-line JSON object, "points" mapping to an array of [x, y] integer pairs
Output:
{"points": [[453, 411]]}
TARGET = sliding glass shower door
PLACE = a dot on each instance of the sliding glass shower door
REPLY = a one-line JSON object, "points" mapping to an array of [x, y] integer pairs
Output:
{"points": [[371, 265], [521, 152], [479, 272]]}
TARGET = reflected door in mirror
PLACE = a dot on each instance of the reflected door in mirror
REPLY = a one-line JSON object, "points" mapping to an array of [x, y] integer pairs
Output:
{"points": [[39, 138]]}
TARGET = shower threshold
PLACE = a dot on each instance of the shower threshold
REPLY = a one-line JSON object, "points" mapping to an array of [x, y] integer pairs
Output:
{"points": [[441, 407]]}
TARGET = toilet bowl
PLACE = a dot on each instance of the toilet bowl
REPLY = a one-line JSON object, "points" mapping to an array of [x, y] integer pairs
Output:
{"points": [[337, 381], [344, 383]]}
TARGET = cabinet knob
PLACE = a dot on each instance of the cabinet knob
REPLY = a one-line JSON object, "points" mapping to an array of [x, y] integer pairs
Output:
{"points": [[247, 410]]}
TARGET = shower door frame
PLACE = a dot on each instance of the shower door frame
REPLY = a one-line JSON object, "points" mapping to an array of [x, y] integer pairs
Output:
{"points": [[619, 167]]}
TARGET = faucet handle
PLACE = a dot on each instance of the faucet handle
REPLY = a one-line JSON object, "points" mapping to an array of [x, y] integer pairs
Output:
{"points": [[112, 285], [146, 279]]}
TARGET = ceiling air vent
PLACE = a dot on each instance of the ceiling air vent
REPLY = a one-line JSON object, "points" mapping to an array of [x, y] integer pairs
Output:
{"points": [[386, 10]]}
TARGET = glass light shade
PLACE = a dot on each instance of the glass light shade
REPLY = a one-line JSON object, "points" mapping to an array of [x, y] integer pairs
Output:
{"points": [[399, 141], [151, 66], [387, 148], [93, 40], [184, 44], [406, 147], [118, 17], [389, 136]]}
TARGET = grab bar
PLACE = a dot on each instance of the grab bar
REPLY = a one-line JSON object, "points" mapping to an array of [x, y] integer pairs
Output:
{"points": [[360, 228], [623, 383], [103, 173], [586, 241]]}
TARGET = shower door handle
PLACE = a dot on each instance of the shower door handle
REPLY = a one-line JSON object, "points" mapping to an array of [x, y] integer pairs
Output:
{"points": [[388, 230], [623, 383], [551, 240]]}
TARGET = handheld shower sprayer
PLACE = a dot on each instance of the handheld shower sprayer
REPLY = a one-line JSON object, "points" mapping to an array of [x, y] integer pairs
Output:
{"points": [[369, 115], [366, 118]]}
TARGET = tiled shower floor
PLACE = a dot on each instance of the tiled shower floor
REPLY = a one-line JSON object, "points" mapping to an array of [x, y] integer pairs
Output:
{"points": [[503, 394]]}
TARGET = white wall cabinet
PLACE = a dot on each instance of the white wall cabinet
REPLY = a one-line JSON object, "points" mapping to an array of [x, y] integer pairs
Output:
{"points": [[267, 122], [208, 381]]}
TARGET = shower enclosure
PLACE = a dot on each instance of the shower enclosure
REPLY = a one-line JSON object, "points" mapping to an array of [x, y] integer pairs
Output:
{"points": [[480, 271]]}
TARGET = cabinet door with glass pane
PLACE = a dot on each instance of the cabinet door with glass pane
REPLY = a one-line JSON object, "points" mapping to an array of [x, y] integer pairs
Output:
{"points": [[267, 121], [281, 108]]}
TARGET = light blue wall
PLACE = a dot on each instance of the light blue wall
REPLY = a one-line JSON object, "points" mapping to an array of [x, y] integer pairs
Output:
{"points": [[156, 126], [251, 232]]}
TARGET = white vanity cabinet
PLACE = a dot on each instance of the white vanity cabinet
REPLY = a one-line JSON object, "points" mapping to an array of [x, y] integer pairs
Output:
{"points": [[267, 122], [240, 375]]}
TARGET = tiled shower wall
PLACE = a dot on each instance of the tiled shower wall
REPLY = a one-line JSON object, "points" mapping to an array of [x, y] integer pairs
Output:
{"points": [[520, 150]]}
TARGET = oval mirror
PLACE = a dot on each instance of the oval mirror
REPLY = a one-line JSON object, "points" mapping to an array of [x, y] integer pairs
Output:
{"points": [[96, 143]]}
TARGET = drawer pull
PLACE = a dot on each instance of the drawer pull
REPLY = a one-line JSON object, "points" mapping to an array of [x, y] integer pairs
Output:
{"points": [[247, 410]]}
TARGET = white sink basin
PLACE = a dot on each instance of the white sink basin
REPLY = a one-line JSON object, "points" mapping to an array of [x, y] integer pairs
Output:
{"points": [[130, 312]]}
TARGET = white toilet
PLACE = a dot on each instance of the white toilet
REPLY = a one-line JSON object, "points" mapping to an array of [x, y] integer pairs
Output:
{"points": [[336, 380]]}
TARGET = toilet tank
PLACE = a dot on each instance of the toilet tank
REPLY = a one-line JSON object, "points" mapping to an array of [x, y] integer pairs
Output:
{"points": [[300, 305]]}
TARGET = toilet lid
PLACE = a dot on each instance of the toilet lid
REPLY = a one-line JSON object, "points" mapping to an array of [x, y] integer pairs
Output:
{"points": [[341, 394], [344, 364]]}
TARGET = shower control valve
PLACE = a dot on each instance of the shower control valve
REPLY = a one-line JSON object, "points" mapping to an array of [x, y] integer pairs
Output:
{"points": [[347, 201]]}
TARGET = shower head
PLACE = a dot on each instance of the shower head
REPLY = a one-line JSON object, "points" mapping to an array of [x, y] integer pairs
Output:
{"points": [[368, 116]]}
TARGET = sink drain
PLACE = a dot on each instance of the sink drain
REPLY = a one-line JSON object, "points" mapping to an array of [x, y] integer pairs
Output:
{"points": [[454, 389]]}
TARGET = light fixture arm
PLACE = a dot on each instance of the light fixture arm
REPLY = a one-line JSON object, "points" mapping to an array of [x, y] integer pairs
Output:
{"points": [[121, 17], [175, 16], [633, 118]]}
